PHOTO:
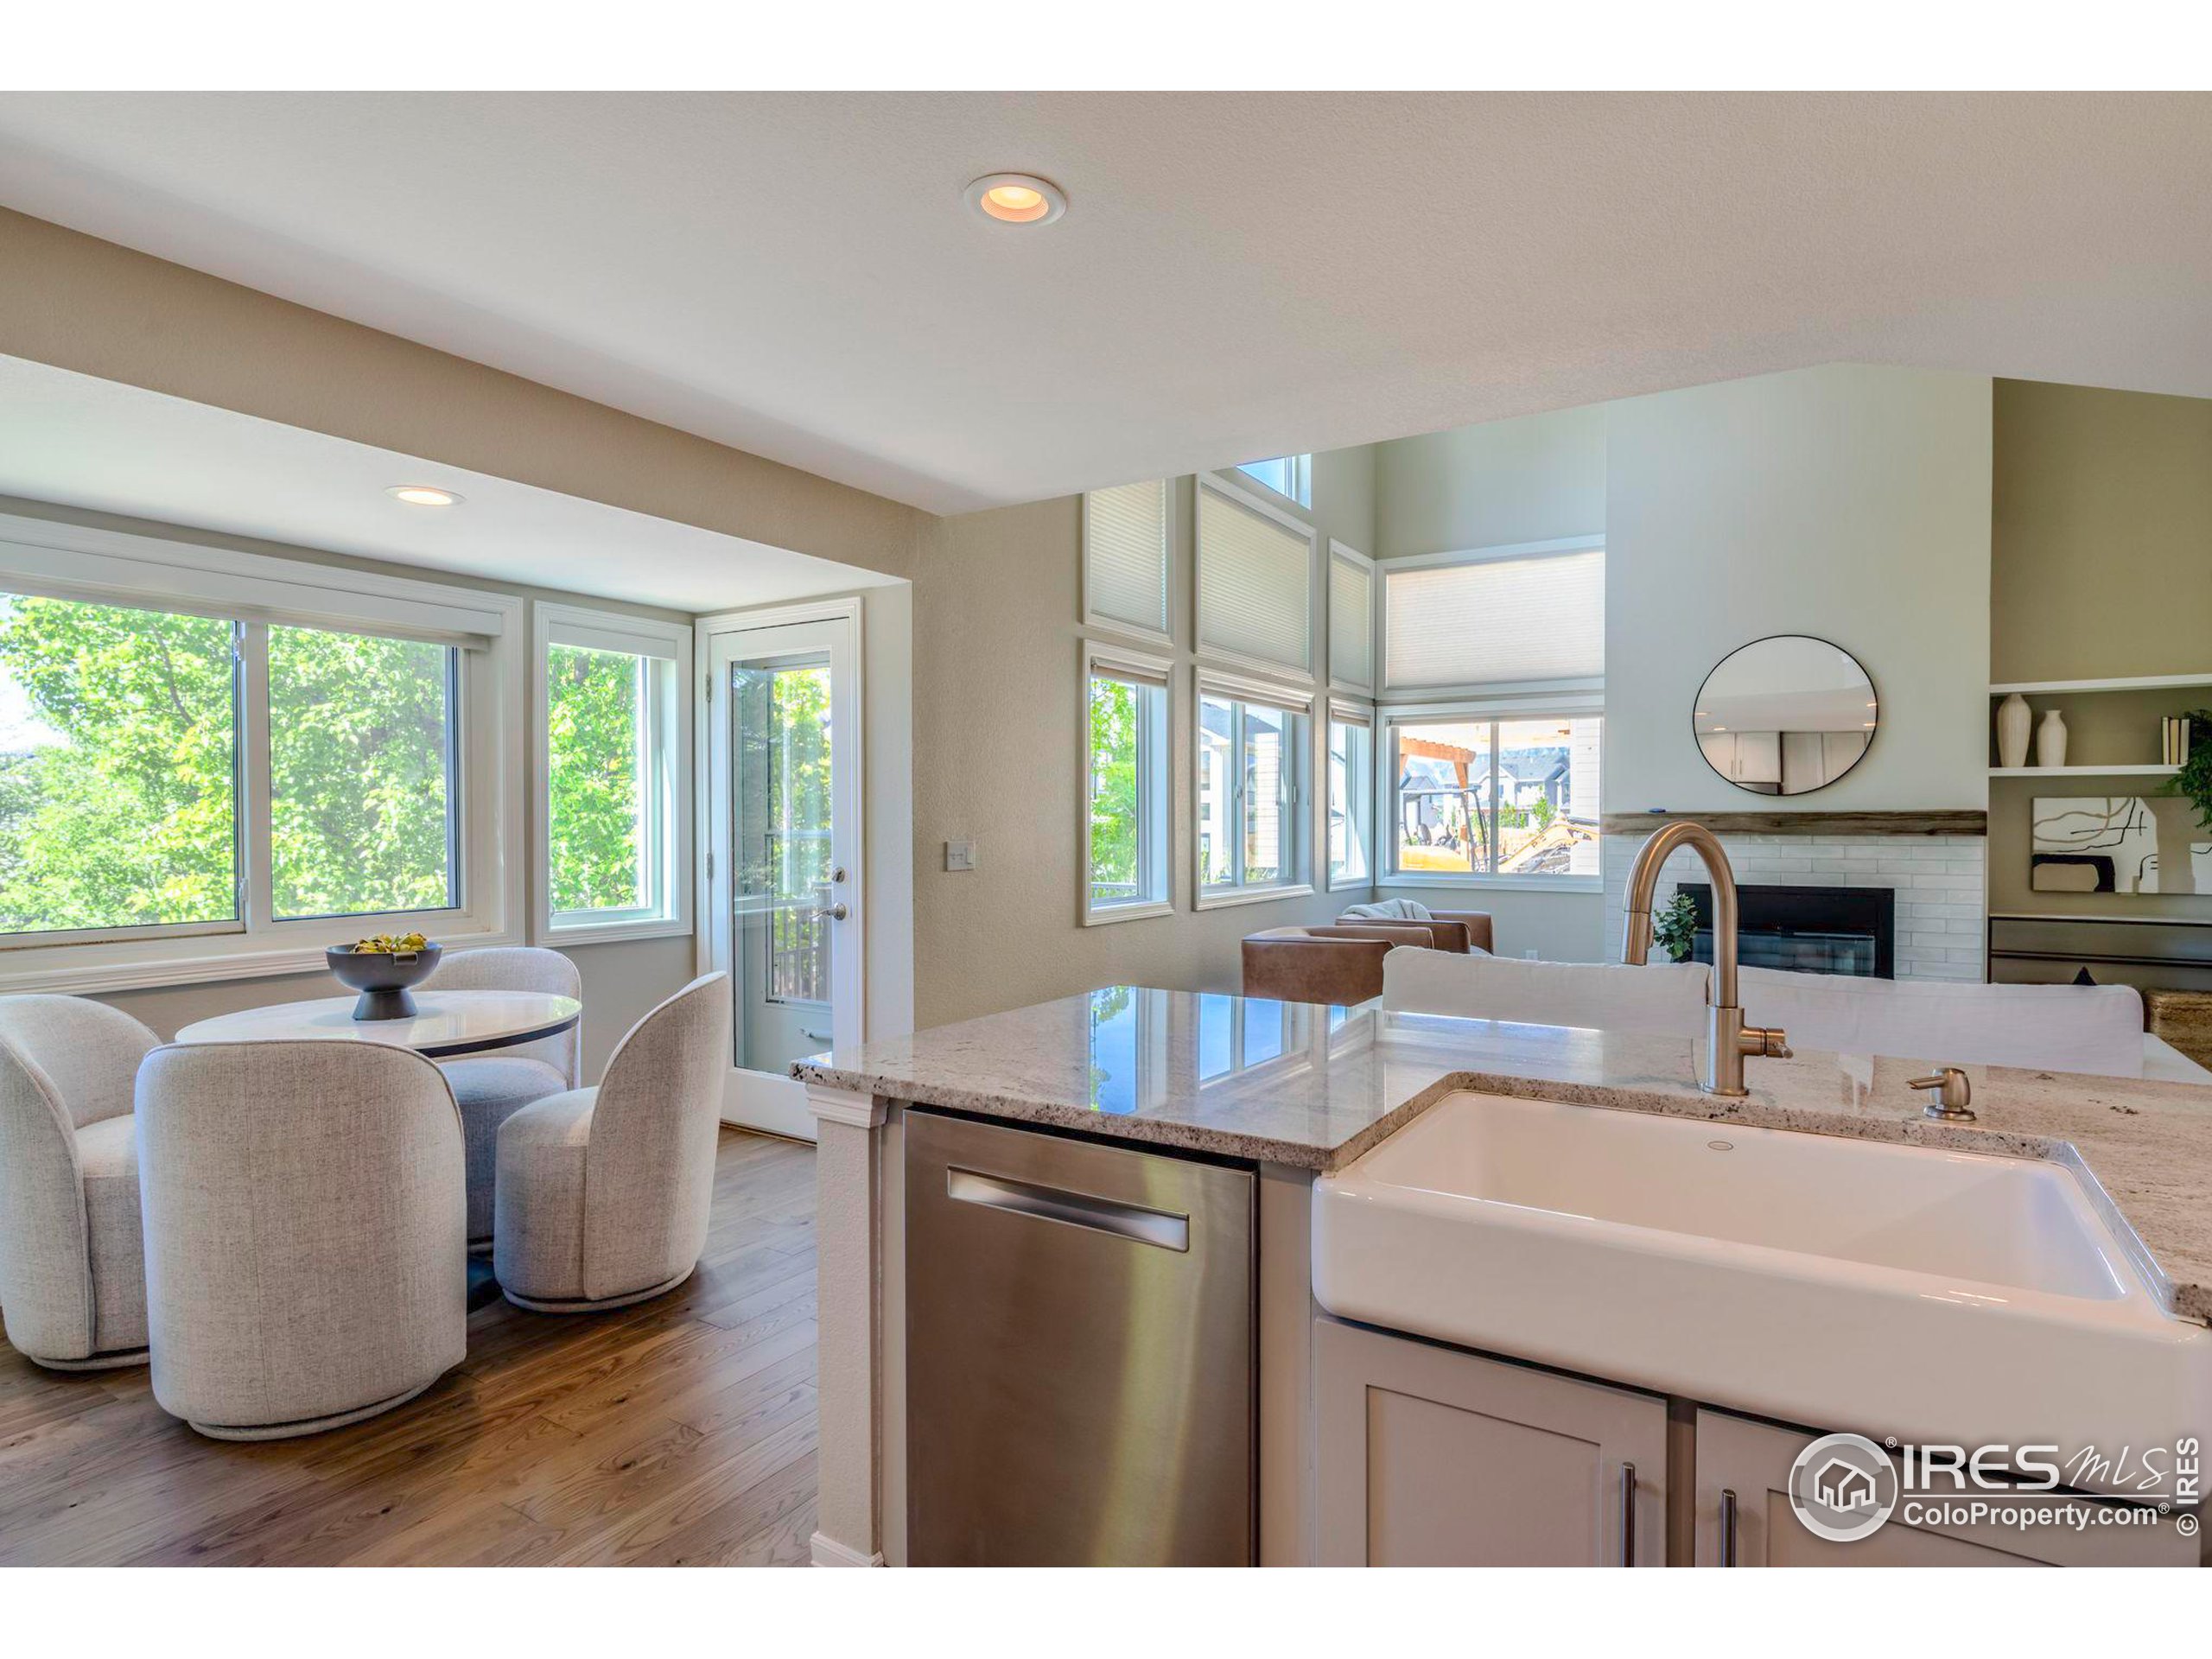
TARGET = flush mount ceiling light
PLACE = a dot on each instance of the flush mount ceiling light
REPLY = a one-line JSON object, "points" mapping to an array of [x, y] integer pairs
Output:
{"points": [[1016, 198], [424, 495]]}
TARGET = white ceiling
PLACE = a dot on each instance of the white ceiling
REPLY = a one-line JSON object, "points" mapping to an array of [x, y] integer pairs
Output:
{"points": [[86, 443], [1237, 275]]}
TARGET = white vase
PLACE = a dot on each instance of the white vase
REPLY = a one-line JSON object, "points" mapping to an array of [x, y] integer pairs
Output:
{"points": [[2014, 718], [2050, 739]]}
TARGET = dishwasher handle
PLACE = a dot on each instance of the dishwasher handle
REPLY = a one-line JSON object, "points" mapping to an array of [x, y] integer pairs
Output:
{"points": [[1129, 1221]]}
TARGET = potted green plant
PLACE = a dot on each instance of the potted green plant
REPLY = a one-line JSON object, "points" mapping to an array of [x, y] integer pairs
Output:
{"points": [[1674, 930], [2194, 780]]}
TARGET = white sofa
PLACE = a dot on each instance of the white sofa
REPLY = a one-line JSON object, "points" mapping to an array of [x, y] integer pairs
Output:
{"points": [[2090, 1028]]}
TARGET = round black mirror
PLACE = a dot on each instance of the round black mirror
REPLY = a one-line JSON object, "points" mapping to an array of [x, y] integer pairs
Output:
{"points": [[1785, 715]]}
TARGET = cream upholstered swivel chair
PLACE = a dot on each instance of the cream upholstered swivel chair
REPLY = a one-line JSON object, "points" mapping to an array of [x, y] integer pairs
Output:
{"points": [[490, 1088], [72, 1272], [603, 1192], [306, 1264]]}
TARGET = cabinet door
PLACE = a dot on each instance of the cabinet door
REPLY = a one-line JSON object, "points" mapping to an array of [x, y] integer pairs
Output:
{"points": [[1742, 1472], [1432, 1457]]}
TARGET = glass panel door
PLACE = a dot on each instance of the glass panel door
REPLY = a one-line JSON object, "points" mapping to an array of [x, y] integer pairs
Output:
{"points": [[782, 890], [783, 869]]}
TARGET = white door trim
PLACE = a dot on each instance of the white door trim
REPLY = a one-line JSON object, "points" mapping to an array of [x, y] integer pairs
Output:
{"points": [[760, 1100]]}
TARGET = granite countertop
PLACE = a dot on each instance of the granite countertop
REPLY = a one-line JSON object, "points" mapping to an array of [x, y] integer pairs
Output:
{"points": [[1315, 1087]]}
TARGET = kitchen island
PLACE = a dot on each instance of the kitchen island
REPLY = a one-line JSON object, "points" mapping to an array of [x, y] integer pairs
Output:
{"points": [[1291, 1092]]}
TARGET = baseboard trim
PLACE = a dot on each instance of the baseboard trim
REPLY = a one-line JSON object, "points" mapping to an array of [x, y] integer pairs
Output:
{"points": [[828, 1552]]}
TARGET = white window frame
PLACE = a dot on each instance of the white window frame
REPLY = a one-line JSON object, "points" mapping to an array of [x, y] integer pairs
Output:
{"points": [[1360, 796], [1339, 553], [1165, 636], [1564, 705], [1154, 675], [1387, 692], [1299, 818], [1245, 492], [59, 560], [1302, 479], [666, 748]]}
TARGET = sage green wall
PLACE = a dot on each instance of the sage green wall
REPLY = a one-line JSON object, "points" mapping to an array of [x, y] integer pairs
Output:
{"points": [[2100, 566], [1532, 479]]}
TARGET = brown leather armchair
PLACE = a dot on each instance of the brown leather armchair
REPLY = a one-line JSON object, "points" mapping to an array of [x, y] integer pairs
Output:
{"points": [[1338, 962], [1458, 930]]}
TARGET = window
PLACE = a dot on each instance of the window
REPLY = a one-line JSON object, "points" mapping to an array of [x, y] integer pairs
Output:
{"points": [[1125, 797], [1518, 618], [1351, 788], [213, 763], [361, 754], [1256, 583], [1125, 559], [1351, 618], [118, 768], [616, 753], [1251, 777], [1481, 797], [1291, 476]]}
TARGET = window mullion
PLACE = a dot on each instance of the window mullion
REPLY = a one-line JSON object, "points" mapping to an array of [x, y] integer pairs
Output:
{"points": [[258, 888]]}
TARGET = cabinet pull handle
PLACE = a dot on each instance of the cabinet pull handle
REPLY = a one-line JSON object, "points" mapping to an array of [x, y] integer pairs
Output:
{"points": [[1628, 1515], [1727, 1527], [1129, 1221]]}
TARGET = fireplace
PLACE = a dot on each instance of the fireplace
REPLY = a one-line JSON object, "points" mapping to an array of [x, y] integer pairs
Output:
{"points": [[1805, 930]]}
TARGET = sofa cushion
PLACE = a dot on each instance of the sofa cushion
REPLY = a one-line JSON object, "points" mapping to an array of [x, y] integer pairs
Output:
{"points": [[2094, 1028], [1664, 998], [1387, 910]]}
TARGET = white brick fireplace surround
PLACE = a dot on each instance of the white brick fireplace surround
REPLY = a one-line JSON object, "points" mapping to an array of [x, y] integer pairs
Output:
{"points": [[1940, 883]]}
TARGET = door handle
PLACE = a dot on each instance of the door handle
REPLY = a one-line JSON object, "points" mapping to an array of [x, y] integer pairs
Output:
{"points": [[1727, 1527], [1156, 1227], [1628, 1515], [833, 912]]}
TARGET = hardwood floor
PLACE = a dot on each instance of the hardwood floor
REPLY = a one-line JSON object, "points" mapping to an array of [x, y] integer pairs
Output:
{"points": [[677, 1433]]}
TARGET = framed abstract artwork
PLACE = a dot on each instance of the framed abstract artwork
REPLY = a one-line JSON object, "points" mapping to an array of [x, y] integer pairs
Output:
{"points": [[2118, 843]]}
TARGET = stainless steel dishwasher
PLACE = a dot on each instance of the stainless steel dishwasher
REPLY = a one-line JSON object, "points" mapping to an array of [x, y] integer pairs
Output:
{"points": [[1080, 1352]]}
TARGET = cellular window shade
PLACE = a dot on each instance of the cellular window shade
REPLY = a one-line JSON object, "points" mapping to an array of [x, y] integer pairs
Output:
{"points": [[1351, 622], [1255, 580], [1125, 555], [1495, 622]]}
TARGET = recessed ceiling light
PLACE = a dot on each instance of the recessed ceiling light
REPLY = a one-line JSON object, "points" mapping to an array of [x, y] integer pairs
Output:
{"points": [[424, 495], [1016, 198]]}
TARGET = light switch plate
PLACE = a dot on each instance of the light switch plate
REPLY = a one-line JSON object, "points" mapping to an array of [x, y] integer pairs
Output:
{"points": [[959, 855]]}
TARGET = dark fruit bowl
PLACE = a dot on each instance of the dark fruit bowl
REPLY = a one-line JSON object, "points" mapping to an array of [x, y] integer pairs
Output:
{"points": [[382, 977]]}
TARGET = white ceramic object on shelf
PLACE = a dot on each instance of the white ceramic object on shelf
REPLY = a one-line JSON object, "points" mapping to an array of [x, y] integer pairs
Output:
{"points": [[2050, 739], [2014, 719]]}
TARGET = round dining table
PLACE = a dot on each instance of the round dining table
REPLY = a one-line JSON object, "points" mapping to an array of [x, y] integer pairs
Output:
{"points": [[444, 1024]]}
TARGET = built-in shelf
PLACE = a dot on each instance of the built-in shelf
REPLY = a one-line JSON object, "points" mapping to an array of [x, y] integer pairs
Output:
{"points": [[2134, 682], [2083, 772]]}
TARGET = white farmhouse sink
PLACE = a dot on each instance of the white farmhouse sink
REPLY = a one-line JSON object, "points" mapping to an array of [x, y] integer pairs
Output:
{"points": [[1895, 1290]]}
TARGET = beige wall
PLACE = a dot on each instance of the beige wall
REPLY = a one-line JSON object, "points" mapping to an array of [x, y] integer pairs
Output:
{"points": [[2100, 566], [80, 303], [2101, 533], [997, 707]]}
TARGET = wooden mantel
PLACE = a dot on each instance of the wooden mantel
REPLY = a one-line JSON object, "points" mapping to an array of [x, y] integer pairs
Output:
{"points": [[1961, 822]]}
